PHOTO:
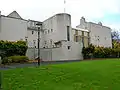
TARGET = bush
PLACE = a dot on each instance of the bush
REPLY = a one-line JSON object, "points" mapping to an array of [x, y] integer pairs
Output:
{"points": [[13, 48], [101, 52], [18, 59], [88, 51]]}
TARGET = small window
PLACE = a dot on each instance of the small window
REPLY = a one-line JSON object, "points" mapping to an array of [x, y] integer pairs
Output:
{"points": [[82, 33], [26, 40], [76, 38], [51, 30], [68, 47], [32, 32], [48, 31]]}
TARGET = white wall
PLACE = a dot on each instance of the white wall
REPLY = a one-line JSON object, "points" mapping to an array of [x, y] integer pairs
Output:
{"points": [[58, 23], [13, 29], [58, 54], [34, 37], [102, 33]]}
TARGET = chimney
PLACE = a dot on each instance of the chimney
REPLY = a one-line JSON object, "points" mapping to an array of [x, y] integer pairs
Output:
{"points": [[82, 20]]}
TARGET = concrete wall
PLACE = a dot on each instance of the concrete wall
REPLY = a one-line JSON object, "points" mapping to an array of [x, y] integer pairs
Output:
{"points": [[12, 29], [58, 54]]}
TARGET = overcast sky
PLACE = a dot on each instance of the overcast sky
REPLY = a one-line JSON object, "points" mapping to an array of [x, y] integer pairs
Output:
{"points": [[106, 11]]}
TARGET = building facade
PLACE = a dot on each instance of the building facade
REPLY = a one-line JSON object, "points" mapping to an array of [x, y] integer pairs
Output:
{"points": [[12, 27], [99, 35], [58, 40]]}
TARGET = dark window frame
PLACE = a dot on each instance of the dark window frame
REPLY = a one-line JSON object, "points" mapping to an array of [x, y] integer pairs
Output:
{"points": [[68, 33]]}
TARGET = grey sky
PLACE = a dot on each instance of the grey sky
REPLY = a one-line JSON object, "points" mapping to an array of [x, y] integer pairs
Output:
{"points": [[92, 10]]}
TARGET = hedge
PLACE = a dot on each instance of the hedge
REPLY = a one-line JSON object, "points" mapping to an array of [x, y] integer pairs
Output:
{"points": [[15, 59], [100, 52], [8, 48]]}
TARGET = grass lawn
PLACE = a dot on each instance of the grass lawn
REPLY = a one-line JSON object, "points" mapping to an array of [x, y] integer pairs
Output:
{"points": [[84, 75]]}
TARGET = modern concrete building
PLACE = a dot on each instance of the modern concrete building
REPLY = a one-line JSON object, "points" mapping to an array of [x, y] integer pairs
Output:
{"points": [[58, 40]]}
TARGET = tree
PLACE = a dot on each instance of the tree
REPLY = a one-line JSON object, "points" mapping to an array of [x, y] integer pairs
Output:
{"points": [[115, 35]]}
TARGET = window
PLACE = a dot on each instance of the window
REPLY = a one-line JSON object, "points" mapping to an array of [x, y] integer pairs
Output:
{"points": [[26, 40], [68, 47], [32, 32], [88, 34], [68, 33], [82, 33], [76, 38], [48, 31], [51, 30]]}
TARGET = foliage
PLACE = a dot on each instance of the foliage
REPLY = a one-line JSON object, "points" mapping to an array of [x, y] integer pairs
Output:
{"points": [[102, 52], [12, 48], [18, 59], [14, 59], [88, 51], [115, 35], [85, 75]]}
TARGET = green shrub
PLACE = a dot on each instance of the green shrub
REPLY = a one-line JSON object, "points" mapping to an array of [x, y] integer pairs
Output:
{"points": [[18, 59], [13, 48], [88, 51], [101, 52]]}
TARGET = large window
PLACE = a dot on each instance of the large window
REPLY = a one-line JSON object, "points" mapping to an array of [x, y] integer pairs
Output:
{"points": [[68, 33]]}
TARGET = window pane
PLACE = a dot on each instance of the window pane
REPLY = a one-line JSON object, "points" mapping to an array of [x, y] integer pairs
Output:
{"points": [[32, 32], [68, 33]]}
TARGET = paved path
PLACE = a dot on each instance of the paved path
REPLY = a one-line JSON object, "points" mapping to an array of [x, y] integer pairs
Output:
{"points": [[34, 64]]}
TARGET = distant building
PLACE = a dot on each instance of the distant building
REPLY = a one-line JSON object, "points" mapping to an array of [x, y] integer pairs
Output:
{"points": [[99, 35]]}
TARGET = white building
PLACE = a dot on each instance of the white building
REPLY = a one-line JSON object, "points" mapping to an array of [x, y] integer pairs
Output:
{"points": [[58, 40], [99, 35], [12, 27]]}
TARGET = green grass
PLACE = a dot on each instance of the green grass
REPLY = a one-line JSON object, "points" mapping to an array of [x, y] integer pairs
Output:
{"points": [[85, 75]]}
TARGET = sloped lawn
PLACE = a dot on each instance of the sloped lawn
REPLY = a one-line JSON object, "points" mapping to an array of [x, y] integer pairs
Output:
{"points": [[84, 75]]}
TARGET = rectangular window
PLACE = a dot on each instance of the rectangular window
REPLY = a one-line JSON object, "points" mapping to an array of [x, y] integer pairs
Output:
{"points": [[88, 34], [68, 33], [32, 32], [48, 31], [76, 38], [68, 47], [82, 33], [51, 30]]}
